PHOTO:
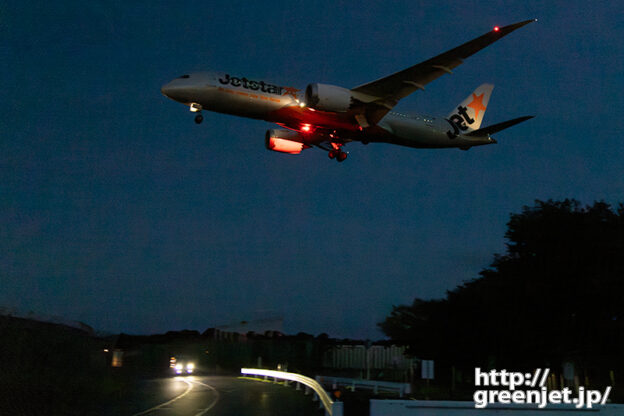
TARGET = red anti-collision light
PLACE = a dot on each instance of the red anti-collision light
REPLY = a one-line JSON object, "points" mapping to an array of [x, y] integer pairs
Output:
{"points": [[496, 28]]}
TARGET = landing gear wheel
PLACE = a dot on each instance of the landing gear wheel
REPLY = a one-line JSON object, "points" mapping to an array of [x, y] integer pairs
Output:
{"points": [[331, 154], [341, 156], [199, 118]]}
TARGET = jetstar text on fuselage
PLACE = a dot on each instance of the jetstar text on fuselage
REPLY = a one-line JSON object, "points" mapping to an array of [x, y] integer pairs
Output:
{"points": [[251, 85]]}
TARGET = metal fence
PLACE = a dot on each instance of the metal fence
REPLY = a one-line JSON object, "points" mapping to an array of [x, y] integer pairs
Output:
{"points": [[362, 357]]}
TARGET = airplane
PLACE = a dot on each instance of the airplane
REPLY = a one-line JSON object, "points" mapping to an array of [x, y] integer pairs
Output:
{"points": [[328, 116]]}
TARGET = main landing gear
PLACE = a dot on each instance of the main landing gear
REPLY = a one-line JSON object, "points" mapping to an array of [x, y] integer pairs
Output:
{"points": [[336, 153], [196, 108]]}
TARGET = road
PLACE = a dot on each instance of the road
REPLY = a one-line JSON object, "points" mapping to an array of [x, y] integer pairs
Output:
{"points": [[211, 395]]}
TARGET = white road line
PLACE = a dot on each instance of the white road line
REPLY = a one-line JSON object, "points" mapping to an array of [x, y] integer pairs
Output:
{"points": [[187, 391], [206, 410]]}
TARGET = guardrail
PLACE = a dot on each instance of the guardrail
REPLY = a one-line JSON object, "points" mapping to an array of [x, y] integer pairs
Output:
{"points": [[376, 386], [331, 408]]}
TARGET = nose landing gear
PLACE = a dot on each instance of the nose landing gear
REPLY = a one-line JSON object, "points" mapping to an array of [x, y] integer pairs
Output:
{"points": [[196, 108]]}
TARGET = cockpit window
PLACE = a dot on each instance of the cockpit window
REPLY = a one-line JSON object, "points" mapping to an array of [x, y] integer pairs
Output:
{"points": [[185, 76]]}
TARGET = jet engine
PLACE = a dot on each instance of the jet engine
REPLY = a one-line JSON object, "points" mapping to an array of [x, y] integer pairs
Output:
{"points": [[281, 140], [328, 97]]}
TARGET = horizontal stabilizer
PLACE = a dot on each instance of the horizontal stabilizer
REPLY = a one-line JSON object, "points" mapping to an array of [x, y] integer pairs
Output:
{"points": [[486, 131]]}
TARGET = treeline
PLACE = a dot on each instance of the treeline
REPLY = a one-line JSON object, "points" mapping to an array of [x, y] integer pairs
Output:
{"points": [[555, 296]]}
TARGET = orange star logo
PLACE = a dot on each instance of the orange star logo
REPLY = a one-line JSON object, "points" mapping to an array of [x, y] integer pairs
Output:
{"points": [[477, 104], [291, 91]]}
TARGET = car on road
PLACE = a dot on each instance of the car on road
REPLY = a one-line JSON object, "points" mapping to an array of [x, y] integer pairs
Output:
{"points": [[181, 365]]}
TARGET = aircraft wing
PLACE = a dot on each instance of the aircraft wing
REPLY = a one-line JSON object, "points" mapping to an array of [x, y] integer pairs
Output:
{"points": [[392, 88]]}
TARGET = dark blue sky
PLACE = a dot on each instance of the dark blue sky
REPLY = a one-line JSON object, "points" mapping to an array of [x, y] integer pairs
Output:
{"points": [[117, 210]]}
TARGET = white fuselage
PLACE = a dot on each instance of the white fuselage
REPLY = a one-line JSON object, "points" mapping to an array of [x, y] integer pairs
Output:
{"points": [[225, 93]]}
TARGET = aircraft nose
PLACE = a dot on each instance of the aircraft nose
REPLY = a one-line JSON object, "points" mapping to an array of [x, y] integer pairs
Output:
{"points": [[167, 89], [187, 88], [178, 90]]}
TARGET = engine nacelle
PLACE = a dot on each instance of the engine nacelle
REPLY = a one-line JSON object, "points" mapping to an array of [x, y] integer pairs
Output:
{"points": [[328, 97], [284, 141]]}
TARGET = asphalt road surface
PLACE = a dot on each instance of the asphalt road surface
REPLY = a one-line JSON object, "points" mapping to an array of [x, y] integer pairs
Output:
{"points": [[223, 396]]}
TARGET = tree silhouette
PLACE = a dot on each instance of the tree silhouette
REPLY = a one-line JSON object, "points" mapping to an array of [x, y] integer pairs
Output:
{"points": [[556, 295]]}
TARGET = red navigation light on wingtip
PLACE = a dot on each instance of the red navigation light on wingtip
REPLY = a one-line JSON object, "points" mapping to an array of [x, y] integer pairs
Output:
{"points": [[496, 28]]}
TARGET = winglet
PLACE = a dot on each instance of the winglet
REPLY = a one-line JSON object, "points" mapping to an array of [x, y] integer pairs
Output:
{"points": [[490, 37], [510, 28]]}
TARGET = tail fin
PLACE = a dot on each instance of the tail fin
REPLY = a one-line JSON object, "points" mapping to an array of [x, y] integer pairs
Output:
{"points": [[469, 114], [486, 131]]}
